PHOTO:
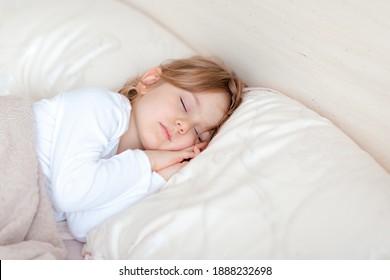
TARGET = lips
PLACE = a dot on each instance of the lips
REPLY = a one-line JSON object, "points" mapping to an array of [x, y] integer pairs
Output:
{"points": [[166, 132]]}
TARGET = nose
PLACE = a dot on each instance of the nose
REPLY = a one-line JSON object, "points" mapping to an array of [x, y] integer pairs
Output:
{"points": [[183, 125]]}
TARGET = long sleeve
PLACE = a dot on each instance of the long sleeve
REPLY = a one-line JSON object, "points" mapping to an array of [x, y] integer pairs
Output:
{"points": [[93, 183], [85, 172], [81, 222]]}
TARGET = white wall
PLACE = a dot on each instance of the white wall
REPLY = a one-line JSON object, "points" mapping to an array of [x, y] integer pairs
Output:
{"points": [[333, 55]]}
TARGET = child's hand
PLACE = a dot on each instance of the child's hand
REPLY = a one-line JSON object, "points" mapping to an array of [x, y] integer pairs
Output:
{"points": [[197, 148], [167, 172], [167, 163], [162, 159], [200, 147]]}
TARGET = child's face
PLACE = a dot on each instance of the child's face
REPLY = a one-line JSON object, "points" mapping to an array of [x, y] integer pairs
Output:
{"points": [[170, 118]]}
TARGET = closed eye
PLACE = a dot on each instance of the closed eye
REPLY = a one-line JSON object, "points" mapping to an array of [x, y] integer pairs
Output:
{"points": [[185, 108], [197, 134], [182, 103]]}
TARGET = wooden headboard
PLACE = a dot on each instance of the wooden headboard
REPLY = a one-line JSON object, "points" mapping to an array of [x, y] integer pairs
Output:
{"points": [[333, 56]]}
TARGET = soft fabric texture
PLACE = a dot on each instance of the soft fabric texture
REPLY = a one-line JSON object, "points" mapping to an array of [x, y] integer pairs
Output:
{"points": [[333, 56], [277, 182], [235, 200], [27, 226], [78, 134], [51, 46]]}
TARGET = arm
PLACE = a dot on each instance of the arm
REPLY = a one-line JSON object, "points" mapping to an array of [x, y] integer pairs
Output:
{"points": [[81, 222], [167, 163], [93, 183], [83, 175]]}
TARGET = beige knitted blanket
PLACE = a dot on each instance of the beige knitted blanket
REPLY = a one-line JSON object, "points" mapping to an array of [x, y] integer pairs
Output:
{"points": [[27, 225]]}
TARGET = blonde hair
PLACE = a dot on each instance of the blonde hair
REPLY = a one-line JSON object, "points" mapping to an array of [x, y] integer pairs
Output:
{"points": [[196, 74]]}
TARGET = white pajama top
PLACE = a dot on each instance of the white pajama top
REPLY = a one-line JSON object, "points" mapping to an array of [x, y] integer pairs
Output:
{"points": [[77, 136]]}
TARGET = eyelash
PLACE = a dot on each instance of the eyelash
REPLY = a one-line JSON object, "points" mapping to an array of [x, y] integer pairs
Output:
{"points": [[200, 139], [185, 109], [182, 103]]}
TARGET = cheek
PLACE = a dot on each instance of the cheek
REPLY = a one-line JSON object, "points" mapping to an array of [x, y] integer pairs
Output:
{"points": [[184, 142]]}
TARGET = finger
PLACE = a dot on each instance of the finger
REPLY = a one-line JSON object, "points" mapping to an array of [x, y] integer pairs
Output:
{"points": [[178, 157], [171, 170], [196, 151], [173, 157], [186, 155], [202, 145], [188, 149]]}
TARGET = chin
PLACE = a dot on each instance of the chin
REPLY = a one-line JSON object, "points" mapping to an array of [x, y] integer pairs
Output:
{"points": [[151, 145]]}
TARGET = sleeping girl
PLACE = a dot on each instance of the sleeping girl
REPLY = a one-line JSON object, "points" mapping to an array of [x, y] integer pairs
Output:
{"points": [[103, 151]]}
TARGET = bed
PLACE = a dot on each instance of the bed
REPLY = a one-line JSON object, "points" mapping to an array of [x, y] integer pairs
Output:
{"points": [[300, 171]]}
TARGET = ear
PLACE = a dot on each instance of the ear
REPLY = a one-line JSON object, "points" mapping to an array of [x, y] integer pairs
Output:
{"points": [[149, 78]]}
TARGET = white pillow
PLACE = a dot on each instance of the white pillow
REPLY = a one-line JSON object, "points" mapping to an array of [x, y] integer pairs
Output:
{"points": [[277, 182], [50, 46]]}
